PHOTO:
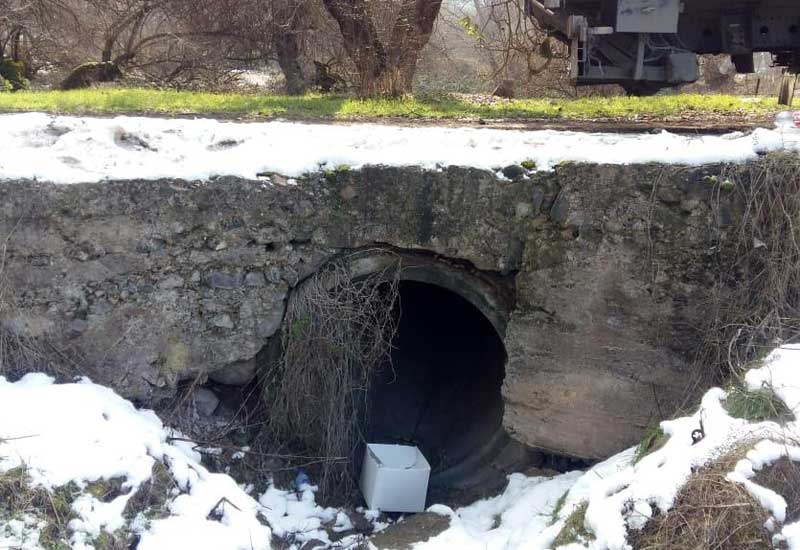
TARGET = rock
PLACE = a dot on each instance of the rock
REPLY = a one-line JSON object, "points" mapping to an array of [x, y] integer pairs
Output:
{"points": [[560, 210], [523, 209], [513, 171], [100, 307], [205, 402], [223, 321], [78, 327], [172, 281], [269, 324], [238, 373], [274, 275], [537, 198], [216, 244], [254, 278], [221, 279], [348, 192]]}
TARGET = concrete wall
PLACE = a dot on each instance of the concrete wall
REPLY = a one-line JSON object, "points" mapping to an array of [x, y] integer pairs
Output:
{"points": [[597, 275]]}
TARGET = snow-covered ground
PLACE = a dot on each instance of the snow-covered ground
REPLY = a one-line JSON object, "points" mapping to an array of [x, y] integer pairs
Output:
{"points": [[622, 495], [82, 149], [81, 432]]}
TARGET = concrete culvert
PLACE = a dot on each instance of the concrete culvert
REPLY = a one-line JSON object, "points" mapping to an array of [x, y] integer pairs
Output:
{"points": [[423, 335], [442, 391]]}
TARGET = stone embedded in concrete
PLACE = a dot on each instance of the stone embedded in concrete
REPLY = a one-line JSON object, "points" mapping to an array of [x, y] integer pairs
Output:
{"points": [[222, 279], [235, 374], [223, 321], [171, 281], [205, 402], [254, 278], [605, 306]]}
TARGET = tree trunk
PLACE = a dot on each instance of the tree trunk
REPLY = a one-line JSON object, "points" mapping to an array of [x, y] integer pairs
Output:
{"points": [[361, 42], [287, 43], [410, 35], [385, 71]]}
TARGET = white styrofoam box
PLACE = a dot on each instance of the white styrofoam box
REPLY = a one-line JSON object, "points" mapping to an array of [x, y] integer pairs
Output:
{"points": [[394, 478]]}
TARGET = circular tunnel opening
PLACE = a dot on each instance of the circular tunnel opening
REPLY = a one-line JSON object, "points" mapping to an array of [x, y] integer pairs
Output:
{"points": [[442, 390]]}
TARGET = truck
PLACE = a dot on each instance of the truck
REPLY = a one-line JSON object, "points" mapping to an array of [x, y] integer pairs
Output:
{"points": [[648, 45]]}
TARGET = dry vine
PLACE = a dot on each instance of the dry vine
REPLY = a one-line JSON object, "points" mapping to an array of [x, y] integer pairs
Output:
{"points": [[757, 296], [338, 331]]}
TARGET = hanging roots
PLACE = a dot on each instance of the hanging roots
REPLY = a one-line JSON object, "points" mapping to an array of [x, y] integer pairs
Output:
{"points": [[337, 332]]}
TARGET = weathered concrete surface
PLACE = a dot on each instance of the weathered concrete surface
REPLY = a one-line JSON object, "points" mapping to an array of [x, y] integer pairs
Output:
{"points": [[601, 273]]}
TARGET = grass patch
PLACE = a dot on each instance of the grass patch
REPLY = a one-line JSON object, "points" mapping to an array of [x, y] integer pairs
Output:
{"points": [[756, 406], [709, 512], [562, 500], [53, 508], [654, 438], [170, 102], [574, 529], [19, 499], [152, 498]]}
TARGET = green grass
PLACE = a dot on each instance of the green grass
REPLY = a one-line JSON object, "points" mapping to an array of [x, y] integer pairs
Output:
{"points": [[167, 102], [574, 530], [562, 500], [756, 406], [654, 438]]}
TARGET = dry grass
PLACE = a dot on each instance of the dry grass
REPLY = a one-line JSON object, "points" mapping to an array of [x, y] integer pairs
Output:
{"points": [[757, 295], [783, 477], [337, 331], [710, 513], [18, 498]]}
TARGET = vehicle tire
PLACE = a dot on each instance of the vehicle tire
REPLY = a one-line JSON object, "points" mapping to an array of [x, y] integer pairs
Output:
{"points": [[642, 89]]}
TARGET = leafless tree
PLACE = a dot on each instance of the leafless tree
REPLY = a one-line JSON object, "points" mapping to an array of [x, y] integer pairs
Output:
{"points": [[518, 50]]}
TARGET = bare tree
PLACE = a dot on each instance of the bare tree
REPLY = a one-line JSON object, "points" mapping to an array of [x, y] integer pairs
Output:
{"points": [[519, 51], [384, 66]]}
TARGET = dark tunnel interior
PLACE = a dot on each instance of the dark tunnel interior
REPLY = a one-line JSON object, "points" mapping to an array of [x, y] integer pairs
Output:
{"points": [[442, 391]]}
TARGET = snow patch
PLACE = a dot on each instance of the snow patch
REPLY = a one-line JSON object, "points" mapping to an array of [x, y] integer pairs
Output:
{"points": [[67, 149], [83, 432]]}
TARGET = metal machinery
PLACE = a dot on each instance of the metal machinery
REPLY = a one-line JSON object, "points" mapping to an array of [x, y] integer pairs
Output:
{"points": [[646, 45]]}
